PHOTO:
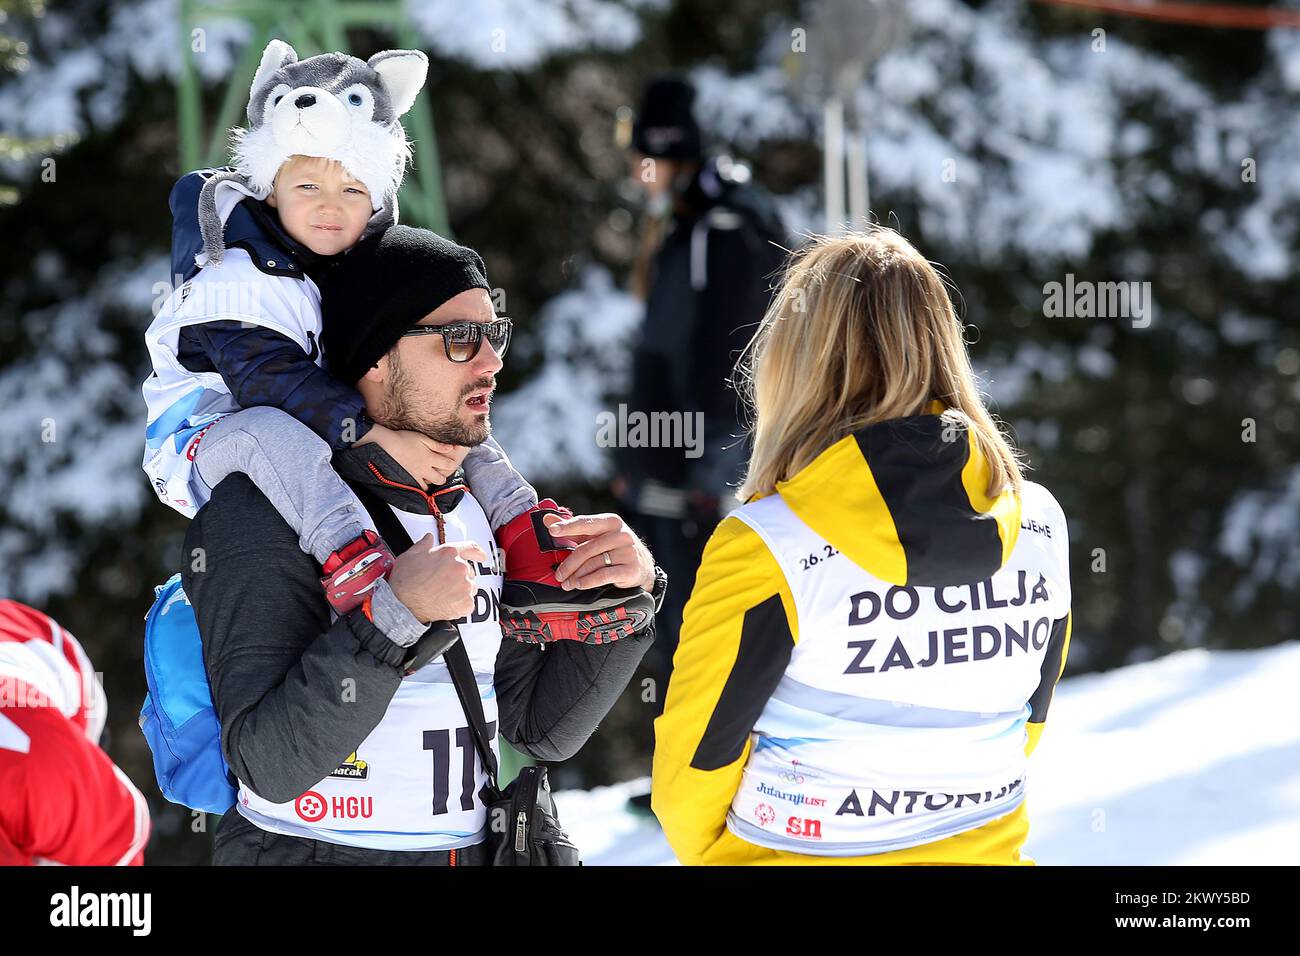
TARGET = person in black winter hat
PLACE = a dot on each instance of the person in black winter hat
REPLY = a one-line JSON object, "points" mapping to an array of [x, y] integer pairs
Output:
{"points": [[391, 281], [385, 293], [665, 126], [409, 323], [710, 243]]}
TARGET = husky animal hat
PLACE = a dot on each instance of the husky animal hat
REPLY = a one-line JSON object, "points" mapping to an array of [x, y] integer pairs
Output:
{"points": [[332, 105]]}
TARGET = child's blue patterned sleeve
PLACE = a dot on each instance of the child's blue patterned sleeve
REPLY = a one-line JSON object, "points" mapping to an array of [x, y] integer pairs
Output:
{"points": [[262, 367]]}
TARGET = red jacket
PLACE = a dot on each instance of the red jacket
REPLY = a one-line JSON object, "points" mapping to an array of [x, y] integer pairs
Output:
{"points": [[62, 799]]}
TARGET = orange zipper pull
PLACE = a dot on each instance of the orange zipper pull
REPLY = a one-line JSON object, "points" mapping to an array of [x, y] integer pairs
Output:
{"points": [[433, 504], [437, 512]]}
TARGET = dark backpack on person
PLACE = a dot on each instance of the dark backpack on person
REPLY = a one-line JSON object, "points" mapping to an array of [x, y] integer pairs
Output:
{"points": [[523, 825]]}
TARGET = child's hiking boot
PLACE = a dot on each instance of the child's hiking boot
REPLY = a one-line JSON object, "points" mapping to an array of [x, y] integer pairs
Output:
{"points": [[536, 609]]}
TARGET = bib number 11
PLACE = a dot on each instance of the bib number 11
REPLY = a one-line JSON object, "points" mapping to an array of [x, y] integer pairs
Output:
{"points": [[439, 741]]}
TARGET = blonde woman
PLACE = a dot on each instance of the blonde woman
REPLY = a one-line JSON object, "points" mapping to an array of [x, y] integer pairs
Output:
{"points": [[872, 643]]}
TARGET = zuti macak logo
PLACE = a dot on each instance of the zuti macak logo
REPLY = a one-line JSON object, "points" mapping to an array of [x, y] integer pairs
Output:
{"points": [[352, 768]]}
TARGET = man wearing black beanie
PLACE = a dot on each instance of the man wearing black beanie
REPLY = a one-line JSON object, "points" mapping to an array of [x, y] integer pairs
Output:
{"points": [[388, 284], [331, 777]]}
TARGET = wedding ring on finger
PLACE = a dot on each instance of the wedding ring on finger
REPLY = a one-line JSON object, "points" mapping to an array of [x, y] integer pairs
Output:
{"points": [[608, 562]]}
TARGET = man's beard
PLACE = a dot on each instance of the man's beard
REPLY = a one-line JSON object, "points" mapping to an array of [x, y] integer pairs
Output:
{"points": [[399, 415]]}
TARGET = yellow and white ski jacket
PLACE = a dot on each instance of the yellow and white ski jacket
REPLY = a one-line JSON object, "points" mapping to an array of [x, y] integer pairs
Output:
{"points": [[866, 662]]}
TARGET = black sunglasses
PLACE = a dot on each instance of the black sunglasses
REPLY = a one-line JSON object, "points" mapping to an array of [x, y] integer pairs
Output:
{"points": [[462, 340]]}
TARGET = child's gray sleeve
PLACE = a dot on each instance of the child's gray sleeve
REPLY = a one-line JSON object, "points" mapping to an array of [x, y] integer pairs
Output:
{"points": [[290, 464], [502, 491]]}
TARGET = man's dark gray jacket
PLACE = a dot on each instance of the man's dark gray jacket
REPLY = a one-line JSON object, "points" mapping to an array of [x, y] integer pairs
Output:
{"points": [[277, 665]]}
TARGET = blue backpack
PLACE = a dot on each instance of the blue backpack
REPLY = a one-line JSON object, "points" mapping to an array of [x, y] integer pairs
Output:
{"points": [[178, 718]]}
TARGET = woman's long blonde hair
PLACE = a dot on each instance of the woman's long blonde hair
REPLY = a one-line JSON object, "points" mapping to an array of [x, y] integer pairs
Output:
{"points": [[862, 330]]}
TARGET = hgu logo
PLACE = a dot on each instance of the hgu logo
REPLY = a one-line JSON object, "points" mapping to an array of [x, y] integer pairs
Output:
{"points": [[102, 909]]}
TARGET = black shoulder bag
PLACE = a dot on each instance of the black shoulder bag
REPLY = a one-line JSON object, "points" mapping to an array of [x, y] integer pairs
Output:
{"points": [[523, 826]]}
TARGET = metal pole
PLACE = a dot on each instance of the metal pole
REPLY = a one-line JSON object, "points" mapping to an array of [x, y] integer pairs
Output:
{"points": [[859, 207], [833, 116], [188, 97], [233, 104], [430, 203]]}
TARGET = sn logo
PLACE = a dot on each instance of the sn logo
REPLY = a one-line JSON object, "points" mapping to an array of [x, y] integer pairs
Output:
{"points": [[808, 828]]}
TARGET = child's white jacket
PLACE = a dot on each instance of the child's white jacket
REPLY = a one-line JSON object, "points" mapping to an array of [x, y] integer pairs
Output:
{"points": [[181, 403]]}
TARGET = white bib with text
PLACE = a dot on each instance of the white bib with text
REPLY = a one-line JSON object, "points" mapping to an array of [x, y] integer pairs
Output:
{"points": [[414, 782]]}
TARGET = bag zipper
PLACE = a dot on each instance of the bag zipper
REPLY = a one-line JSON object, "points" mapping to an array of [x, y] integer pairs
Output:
{"points": [[531, 777], [521, 832]]}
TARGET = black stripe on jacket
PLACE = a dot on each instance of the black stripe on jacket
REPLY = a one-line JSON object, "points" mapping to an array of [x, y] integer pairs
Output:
{"points": [[761, 660], [1050, 672], [945, 540]]}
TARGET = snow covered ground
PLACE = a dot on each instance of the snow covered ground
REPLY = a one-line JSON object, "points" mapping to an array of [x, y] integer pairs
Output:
{"points": [[1191, 759]]}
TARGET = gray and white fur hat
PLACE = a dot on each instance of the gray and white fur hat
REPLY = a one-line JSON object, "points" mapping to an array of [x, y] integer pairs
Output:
{"points": [[332, 105]]}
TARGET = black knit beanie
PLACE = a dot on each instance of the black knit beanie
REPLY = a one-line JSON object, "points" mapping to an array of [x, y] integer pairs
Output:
{"points": [[665, 126], [383, 287]]}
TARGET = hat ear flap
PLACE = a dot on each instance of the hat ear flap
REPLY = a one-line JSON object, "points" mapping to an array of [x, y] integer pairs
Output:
{"points": [[403, 73], [276, 55], [383, 217]]}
